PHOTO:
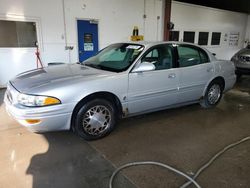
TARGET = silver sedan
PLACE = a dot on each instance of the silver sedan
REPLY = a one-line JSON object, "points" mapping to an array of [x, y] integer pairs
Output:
{"points": [[242, 61], [122, 80]]}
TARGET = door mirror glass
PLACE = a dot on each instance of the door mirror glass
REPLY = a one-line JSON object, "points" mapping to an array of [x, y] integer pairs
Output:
{"points": [[144, 66]]}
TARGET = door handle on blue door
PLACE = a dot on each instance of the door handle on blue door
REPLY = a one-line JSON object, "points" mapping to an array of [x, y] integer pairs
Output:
{"points": [[171, 75]]}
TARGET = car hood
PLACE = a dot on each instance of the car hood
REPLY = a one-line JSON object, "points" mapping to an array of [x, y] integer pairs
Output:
{"points": [[30, 80], [244, 52]]}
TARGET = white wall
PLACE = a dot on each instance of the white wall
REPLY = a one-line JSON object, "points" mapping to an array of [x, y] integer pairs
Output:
{"points": [[188, 17], [48, 16], [116, 21]]}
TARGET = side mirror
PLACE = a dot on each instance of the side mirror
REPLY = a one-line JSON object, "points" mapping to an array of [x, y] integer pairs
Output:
{"points": [[144, 66]]}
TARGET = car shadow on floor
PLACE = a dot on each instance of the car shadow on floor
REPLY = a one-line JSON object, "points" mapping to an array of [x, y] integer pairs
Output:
{"points": [[71, 162]]}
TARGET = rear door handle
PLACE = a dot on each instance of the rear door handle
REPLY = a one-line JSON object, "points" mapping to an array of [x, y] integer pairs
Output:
{"points": [[210, 69], [172, 75]]}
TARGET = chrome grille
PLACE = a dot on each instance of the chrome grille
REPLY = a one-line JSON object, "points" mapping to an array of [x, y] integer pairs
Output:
{"points": [[244, 58]]}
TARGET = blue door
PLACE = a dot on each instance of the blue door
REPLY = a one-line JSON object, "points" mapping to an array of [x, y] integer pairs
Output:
{"points": [[87, 39]]}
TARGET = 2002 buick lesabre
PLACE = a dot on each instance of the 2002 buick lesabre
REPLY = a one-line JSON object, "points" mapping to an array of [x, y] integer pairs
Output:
{"points": [[122, 80]]}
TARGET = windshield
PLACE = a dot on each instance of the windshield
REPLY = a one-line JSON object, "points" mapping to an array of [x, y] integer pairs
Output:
{"points": [[116, 57]]}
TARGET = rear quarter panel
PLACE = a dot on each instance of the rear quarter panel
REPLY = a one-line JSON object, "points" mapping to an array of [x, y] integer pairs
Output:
{"points": [[226, 70]]}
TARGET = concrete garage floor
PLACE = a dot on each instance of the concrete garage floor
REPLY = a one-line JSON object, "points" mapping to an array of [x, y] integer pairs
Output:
{"points": [[184, 138]]}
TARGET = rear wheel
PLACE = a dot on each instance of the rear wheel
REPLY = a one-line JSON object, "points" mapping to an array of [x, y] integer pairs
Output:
{"points": [[213, 94], [95, 119]]}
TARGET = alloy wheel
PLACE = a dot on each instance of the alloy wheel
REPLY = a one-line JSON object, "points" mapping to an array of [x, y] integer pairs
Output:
{"points": [[96, 120], [214, 94]]}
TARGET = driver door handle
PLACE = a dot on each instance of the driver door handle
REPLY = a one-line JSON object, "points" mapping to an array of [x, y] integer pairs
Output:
{"points": [[171, 75]]}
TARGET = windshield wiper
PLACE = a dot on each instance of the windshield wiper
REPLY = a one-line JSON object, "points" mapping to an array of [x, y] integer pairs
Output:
{"points": [[92, 65], [102, 67]]}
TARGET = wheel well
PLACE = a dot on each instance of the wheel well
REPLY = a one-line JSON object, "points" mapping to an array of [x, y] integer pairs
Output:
{"points": [[101, 95], [221, 80]]}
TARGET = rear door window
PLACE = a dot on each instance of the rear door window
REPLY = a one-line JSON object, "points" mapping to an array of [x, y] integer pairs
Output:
{"points": [[204, 57], [190, 56]]}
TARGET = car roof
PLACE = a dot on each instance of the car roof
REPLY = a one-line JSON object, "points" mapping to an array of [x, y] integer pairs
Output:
{"points": [[153, 43], [149, 44]]}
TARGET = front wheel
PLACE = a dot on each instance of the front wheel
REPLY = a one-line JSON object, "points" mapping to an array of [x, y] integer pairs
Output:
{"points": [[213, 94], [95, 119]]}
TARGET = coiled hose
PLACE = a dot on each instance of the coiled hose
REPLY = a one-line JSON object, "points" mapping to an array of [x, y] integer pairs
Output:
{"points": [[190, 179]]}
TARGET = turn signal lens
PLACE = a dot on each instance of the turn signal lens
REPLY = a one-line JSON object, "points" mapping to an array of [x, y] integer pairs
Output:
{"points": [[33, 121], [50, 101]]}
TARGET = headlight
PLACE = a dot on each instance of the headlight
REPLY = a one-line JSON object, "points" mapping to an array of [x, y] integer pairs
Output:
{"points": [[36, 101], [235, 58]]}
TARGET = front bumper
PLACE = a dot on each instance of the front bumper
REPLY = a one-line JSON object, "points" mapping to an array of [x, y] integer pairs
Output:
{"points": [[242, 67], [240, 70], [52, 118]]}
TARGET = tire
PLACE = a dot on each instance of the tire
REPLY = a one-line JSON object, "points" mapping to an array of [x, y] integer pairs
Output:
{"points": [[238, 76], [213, 94], [95, 119]]}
